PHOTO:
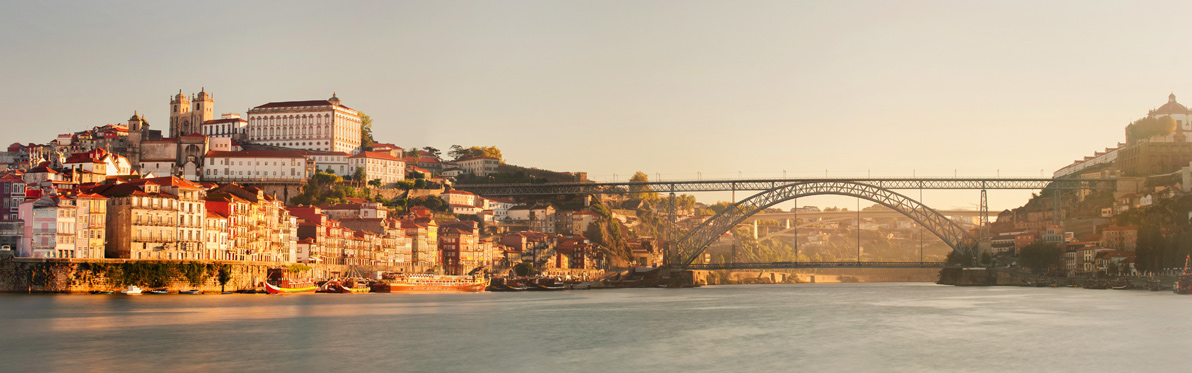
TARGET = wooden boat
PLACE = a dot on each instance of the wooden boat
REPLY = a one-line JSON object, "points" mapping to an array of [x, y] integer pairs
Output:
{"points": [[131, 290], [159, 292], [101, 292], [189, 292], [546, 284], [405, 283], [506, 285], [1183, 284], [288, 286], [347, 286]]}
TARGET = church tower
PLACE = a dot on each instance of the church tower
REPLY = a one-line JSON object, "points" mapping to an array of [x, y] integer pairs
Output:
{"points": [[179, 114], [204, 110], [138, 127]]}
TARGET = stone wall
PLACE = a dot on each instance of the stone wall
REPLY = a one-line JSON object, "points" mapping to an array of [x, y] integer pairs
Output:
{"points": [[37, 275]]}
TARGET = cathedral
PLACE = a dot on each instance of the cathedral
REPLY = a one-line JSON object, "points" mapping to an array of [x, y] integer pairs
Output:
{"points": [[188, 115]]}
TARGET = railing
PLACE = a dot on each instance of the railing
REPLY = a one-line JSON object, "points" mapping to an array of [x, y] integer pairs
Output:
{"points": [[683, 186], [853, 264], [244, 180]]}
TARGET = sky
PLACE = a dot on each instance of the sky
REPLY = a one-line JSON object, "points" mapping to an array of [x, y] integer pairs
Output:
{"points": [[675, 89]]}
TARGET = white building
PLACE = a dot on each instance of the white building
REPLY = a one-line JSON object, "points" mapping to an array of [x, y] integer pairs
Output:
{"points": [[459, 197], [387, 168], [499, 206], [322, 125], [479, 166], [1175, 110], [49, 228], [279, 166], [337, 162], [231, 125]]}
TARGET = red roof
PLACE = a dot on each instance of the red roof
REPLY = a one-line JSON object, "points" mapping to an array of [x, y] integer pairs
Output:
{"points": [[1172, 107], [229, 120], [258, 154], [174, 181], [476, 158], [376, 155], [298, 104]]}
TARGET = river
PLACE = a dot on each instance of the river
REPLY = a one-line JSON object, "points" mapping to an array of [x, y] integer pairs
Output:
{"points": [[908, 327]]}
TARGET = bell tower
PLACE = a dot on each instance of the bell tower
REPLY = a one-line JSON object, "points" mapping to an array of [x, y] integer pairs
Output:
{"points": [[137, 128], [179, 114], [204, 110]]}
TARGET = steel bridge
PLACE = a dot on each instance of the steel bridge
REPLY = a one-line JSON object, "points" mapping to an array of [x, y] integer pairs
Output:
{"points": [[684, 248], [688, 186], [799, 265]]}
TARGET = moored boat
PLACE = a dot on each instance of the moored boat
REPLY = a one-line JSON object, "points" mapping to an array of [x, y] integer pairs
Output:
{"points": [[405, 283], [278, 283], [131, 290], [1183, 284], [347, 286], [159, 292], [288, 286], [189, 292]]}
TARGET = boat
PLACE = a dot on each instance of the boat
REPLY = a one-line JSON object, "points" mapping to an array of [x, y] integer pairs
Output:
{"points": [[506, 285], [189, 292], [1096, 285], [101, 292], [159, 292], [1183, 284], [347, 286], [405, 283], [290, 286], [228, 292], [131, 290], [278, 283], [546, 284]]}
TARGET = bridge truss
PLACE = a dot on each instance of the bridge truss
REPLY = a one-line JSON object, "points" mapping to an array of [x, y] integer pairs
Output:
{"points": [[797, 265], [688, 186], [684, 248], [688, 248]]}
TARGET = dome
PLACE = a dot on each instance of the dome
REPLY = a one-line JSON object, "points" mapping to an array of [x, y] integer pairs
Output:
{"points": [[135, 116], [333, 99], [1171, 107]]}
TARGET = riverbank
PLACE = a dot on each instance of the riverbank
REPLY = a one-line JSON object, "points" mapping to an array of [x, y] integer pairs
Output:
{"points": [[815, 276], [38, 275], [1011, 277]]}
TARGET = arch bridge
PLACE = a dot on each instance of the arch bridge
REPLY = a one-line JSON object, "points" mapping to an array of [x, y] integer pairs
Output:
{"points": [[684, 248]]}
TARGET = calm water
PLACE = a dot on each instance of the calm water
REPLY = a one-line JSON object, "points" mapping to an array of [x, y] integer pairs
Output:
{"points": [[823, 327]]}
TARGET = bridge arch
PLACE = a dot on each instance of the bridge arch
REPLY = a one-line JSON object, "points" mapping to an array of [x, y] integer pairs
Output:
{"points": [[692, 245]]}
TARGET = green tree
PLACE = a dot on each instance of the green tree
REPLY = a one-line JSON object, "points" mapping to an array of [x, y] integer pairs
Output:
{"points": [[366, 132], [458, 152], [1040, 256], [1144, 128], [434, 152], [523, 269], [642, 192], [224, 276], [358, 175], [375, 182]]}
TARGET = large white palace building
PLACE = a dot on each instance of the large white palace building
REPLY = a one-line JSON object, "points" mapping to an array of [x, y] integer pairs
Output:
{"points": [[321, 125]]}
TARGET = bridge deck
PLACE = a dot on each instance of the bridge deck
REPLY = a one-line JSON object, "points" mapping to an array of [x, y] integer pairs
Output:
{"points": [[682, 186], [790, 265]]}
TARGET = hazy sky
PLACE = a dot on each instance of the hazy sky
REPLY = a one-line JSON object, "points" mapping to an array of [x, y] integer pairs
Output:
{"points": [[675, 88]]}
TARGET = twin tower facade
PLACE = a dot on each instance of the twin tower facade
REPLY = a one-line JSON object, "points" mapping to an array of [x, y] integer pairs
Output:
{"points": [[317, 125]]}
